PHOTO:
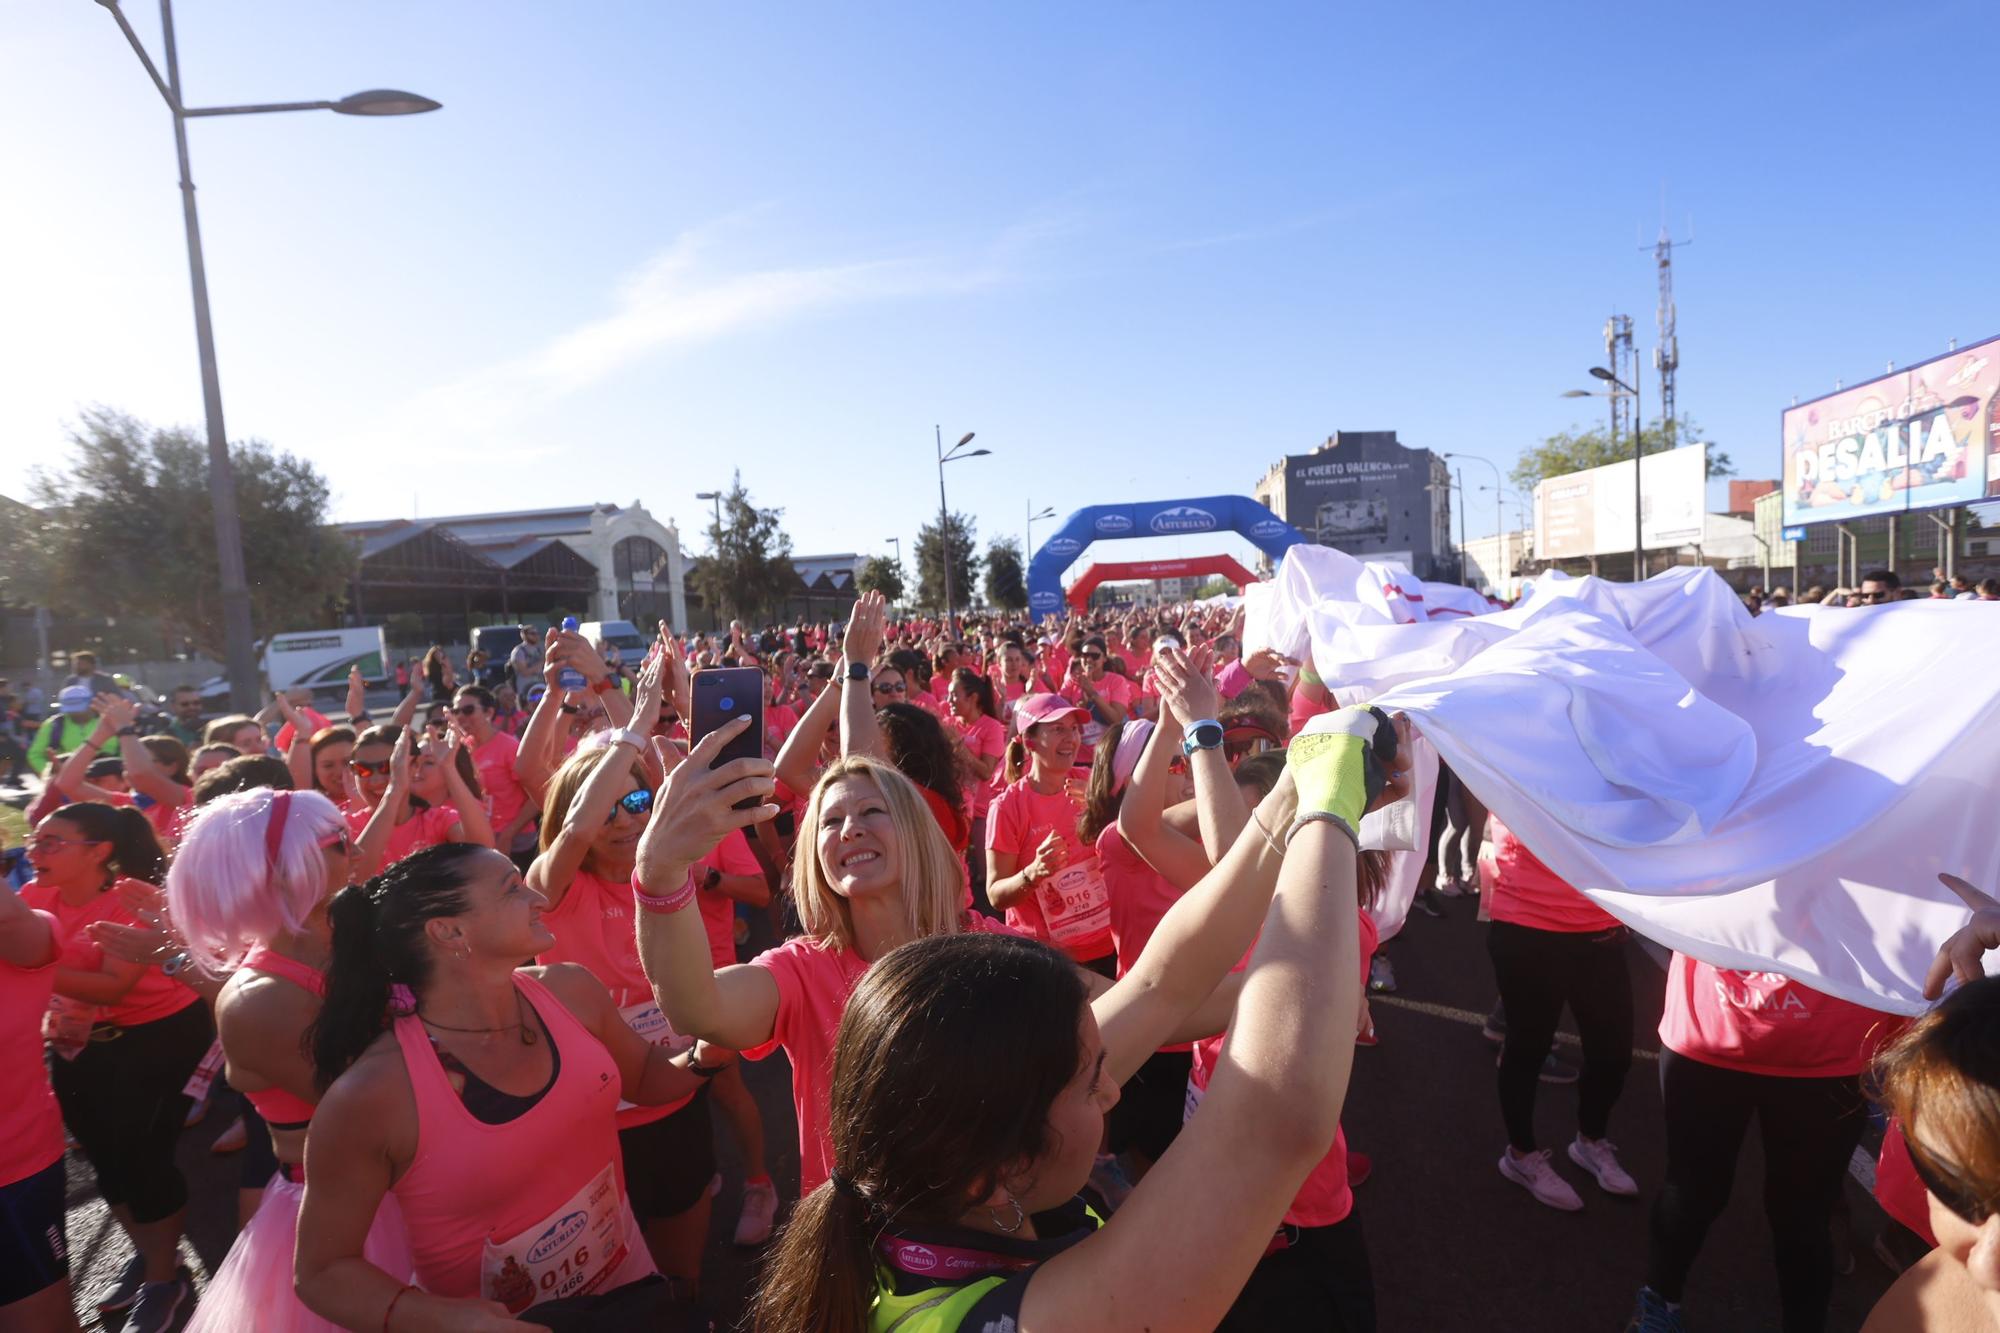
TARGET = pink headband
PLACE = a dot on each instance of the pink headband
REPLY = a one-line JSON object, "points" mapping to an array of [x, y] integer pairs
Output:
{"points": [[274, 830], [1131, 744]]}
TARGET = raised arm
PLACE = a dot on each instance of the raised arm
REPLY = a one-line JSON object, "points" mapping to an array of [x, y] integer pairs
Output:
{"points": [[536, 757], [298, 755], [388, 812], [474, 824], [736, 1008], [72, 779], [555, 869], [859, 732], [798, 757], [1175, 857], [1188, 695]]}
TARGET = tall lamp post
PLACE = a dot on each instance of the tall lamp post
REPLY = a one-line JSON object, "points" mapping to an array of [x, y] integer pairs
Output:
{"points": [[1498, 522], [1028, 532], [239, 649], [716, 496], [1638, 462], [957, 452]]}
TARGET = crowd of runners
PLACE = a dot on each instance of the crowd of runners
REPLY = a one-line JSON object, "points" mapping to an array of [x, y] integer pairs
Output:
{"points": [[1077, 936]]}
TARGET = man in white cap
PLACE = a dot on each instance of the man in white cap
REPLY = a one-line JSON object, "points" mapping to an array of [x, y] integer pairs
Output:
{"points": [[65, 729]]}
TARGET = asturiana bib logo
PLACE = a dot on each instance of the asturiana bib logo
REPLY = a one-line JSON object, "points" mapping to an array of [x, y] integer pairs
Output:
{"points": [[557, 1238], [1183, 518], [916, 1258], [1113, 523]]}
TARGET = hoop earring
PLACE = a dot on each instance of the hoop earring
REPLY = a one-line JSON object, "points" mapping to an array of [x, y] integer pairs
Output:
{"points": [[1019, 1216]]}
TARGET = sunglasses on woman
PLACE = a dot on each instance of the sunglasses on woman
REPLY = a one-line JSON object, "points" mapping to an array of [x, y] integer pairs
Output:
{"points": [[364, 768], [891, 687], [638, 802]]}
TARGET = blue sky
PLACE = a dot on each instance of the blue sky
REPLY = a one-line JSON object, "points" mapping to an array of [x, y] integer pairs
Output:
{"points": [[1142, 250]]}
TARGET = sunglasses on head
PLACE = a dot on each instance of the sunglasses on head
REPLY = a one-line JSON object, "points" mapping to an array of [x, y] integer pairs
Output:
{"points": [[363, 767], [639, 802], [1949, 1192]]}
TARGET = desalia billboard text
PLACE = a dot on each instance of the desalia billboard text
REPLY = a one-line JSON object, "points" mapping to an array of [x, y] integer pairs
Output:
{"points": [[1917, 438]]}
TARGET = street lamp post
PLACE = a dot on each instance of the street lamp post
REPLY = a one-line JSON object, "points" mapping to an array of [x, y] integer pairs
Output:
{"points": [[1464, 577], [1498, 522], [944, 515], [1638, 462], [716, 496], [1028, 531], [239, 648]]}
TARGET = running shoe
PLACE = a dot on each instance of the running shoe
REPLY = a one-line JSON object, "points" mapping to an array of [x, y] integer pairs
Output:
{"points": [[1553, 1070], [760, 1210], [1600, 1158], [1654, 1315], [160, 1304], [121, 1291], [1381, 974], [1429, 901], [1535, 1174], [1453, 887]]}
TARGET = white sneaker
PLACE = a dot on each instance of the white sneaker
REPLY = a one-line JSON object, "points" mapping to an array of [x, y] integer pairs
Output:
{"points": [[1534, 1174], [760, 1210], [1600, 1158]]}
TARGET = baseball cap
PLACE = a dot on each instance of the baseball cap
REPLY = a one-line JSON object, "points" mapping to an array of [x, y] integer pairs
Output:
{"points": [[1031, 710], [74, 698]]}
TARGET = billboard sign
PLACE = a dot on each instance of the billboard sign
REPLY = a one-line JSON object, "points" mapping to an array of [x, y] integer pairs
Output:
{"points": [[1367, 496], [1590, 512], [1915, 439]]}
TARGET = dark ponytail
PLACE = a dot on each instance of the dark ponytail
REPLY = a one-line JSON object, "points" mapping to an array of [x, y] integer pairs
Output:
{"points": [[378, 942], [979, 687], [135, 848], [944, 1022]]}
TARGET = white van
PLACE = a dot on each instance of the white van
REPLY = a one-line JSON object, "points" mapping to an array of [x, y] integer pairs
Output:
{"points": [[620, 634], [320, 659]]}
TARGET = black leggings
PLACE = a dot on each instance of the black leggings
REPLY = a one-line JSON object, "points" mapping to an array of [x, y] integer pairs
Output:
{"points": [[122, 1100], [1809, 1128], [1322, 1282], [1538, 971]]}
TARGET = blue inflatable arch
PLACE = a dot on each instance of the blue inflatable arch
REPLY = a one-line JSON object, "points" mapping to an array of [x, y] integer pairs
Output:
{"points": [[1152, 518]]}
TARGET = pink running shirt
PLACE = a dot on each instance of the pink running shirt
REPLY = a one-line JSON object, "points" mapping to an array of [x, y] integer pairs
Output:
{"points": [[1766, 1023], [31, 1131]]}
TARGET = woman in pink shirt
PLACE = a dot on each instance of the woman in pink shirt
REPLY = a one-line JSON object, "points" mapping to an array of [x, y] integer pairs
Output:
{"points": [[34, 1258], [980, 740], [249, 888], [872, 871], [124, 1038], [596, 809], [1037, 869], [485, 1100], [1552, 946], [432, 797], [1737, 1046]]}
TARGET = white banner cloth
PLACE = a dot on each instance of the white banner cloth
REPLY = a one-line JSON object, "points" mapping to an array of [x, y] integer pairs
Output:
{"points": [[1774, 793]]}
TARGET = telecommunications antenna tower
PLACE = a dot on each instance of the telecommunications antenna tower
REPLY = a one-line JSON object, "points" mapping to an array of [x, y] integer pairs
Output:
{"points": [[1667, 356]]}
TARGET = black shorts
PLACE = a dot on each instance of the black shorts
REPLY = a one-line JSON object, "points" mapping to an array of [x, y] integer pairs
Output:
{"points": [[669, 1162], [34, 1247], [1152, 1104]]}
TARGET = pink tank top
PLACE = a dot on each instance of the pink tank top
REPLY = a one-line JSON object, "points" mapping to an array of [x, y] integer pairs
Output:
{"points": [[279, 1107], [470, 1181]]}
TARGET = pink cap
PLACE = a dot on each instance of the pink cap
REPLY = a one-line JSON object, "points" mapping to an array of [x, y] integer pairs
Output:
{"points": [[1031, 710]]}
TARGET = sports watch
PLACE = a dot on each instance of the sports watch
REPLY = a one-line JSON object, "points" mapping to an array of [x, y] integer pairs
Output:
{"points": [[857, 671], [1203, 735]]}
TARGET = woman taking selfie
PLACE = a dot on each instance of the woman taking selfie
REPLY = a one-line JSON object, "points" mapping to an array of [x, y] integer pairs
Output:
{"points": [[972, 1075]]}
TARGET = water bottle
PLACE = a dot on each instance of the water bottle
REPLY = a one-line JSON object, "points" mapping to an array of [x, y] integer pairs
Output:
{"points": [[571, 678]]}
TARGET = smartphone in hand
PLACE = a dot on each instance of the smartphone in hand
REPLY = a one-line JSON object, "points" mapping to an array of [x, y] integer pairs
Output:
{"points": [[720, 695]]}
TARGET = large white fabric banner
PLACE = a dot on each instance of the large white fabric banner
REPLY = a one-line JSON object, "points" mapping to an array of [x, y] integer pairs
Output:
{"points": [[1772, 793]]}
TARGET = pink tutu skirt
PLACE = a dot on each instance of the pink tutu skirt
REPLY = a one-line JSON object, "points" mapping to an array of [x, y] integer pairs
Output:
{"points": [[253, 1288]]}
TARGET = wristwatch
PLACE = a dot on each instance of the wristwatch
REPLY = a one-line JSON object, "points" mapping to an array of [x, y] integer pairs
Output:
{"points": [[1203, 735], [627, 736], [175, 963], [857, 671]]}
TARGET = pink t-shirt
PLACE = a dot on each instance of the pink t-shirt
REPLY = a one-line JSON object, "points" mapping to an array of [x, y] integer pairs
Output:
{"points": [[732, 856], [779, 722], [320, 722], [1019, 818], [987, 739], [1524, 892], [31, 1132], [1766, 1023], [1325, 1197], [595, 929], [425, 828], [1232, 679], [1114, 688], [154, 996], [814, 982], [495, 762], [1140, 896], [941, 686]]}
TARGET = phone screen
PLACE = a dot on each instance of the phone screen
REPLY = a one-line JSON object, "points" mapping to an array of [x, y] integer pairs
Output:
{"points": [[723, 693]]}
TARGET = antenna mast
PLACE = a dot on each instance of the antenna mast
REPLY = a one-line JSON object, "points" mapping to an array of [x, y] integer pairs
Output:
{"points": [[1623, 362], [1667, 356]]}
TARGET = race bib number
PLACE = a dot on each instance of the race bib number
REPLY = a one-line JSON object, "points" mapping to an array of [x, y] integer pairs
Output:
{"points": [[646, 1019], [1075, 903], [66, 1025], [568, 1253]]}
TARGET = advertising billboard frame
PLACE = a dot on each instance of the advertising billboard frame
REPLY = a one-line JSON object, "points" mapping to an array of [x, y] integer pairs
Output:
{"points": [[1588, 513], [1794, 517]]}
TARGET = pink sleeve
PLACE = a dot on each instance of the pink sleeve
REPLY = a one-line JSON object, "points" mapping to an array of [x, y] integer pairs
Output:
{"points": [[783, 965], [734, 857], [1233, 679], [438, 821], [1003, 823]]}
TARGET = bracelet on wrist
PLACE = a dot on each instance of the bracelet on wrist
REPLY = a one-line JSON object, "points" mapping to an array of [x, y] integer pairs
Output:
{"points": [[664, 902]]}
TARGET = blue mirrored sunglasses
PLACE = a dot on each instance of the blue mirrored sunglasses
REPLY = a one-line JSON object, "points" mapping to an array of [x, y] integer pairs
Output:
{"points": [[638, 802]]}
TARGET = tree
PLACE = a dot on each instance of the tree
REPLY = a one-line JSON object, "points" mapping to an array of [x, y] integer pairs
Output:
{"points": [[883, 575], [1005, 587], [930, 564], [127, 531], [1574, 450], [1215, 585], [749, 564]]}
